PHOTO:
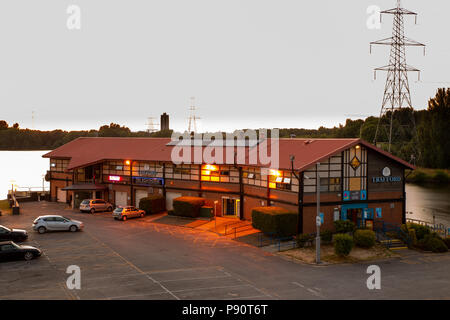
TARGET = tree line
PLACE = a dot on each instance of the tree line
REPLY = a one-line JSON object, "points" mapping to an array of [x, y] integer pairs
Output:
{"points": [[429, 147]]}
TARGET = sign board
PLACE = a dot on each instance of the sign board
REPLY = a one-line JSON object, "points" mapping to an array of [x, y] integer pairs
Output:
{"points": [[354, 195], [378, 213], [336, 214], [146, 181]]}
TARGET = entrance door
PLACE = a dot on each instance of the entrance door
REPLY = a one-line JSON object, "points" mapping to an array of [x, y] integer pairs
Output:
{"points": [[121, 199], [231, 207], [169, 199], [139, 195], [60, 195], [355, 215]]}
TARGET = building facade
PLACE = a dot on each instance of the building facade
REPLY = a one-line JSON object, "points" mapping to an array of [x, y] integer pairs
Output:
{"points": [[356, 180]]}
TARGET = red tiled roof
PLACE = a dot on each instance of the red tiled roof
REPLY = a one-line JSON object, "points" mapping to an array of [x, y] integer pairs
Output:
{"points": [[85, 151]]}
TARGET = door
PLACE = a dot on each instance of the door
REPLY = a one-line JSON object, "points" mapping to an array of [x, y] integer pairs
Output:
{"points": [[9, 251], [61, 195], [169, 199], [4, 234], [121, 199], [231, 207], [140, 194]]}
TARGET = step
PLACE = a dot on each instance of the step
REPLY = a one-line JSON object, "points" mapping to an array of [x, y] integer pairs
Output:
{"points": [[393, 241], [398, 248]]}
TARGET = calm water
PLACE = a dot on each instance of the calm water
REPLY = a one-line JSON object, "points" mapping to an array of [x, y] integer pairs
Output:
{"points": [[26, 169]]}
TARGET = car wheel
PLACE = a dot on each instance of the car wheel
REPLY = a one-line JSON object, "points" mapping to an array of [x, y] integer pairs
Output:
{"points": [[142, 215], [28, 256], [73, 228], [92, 210], [42, 230], [124, 218]]}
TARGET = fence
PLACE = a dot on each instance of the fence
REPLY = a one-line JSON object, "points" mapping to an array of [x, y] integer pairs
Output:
{"points": [[439, 228]]}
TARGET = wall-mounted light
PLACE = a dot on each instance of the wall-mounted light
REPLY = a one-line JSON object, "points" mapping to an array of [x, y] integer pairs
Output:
{"points": [[358, 146], [127, 162]]}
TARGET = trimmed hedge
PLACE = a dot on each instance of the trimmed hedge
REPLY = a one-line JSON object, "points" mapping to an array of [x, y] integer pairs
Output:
{"points": [[188, 206], [343, 244], [206, 212], [153, 204], [326, 236], [447, 242], [364, 238], [276, 220], [344, 226]]}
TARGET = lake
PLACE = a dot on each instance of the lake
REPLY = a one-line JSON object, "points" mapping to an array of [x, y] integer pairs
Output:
{"points": [[26, 169]]}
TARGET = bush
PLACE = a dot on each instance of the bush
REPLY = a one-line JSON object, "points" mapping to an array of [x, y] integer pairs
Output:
{"points": [[187, 206], [421, 231], [344, 226], [326, 236], [171, 213], [303, 239], [343, 244], [417, 176], [206, 212], [412, 236], [275, 220], [364, 238], [441, 177], [153, 204], [432, 242], [447, 242]]}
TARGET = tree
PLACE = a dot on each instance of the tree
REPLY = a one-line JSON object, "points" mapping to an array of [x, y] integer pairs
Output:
{"points": [[3, 125]]}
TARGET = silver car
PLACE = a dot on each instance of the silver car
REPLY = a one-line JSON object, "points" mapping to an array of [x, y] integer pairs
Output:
{"points": [[95, 205], [43, 224], [124, 213]]}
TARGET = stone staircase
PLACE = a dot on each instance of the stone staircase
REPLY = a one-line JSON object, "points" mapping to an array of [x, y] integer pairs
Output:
{"points": [[394, 244]]}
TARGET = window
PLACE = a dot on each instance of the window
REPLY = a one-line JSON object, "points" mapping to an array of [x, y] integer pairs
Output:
{"points": [[280, 179], [216, 173], [58, 165]]}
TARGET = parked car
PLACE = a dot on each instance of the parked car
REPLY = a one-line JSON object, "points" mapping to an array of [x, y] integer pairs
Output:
{"points": [[7, 234], [124, 213], [43, 224], [95, 205], [9, 250]]}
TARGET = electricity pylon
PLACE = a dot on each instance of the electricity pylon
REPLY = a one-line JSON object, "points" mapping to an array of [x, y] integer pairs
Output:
{"points": [[192, 126], [396, 93]]}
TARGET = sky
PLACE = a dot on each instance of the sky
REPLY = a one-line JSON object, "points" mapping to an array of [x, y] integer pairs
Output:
{"points": [[248, 63]]}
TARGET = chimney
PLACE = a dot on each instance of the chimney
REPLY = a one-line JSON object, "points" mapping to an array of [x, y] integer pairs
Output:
{"points": [[165, 122]]}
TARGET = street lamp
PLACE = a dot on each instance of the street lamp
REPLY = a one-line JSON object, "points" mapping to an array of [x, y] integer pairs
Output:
{"points": [[318, 219]]}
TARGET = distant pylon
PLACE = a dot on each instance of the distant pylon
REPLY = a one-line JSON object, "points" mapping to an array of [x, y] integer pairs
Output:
{"points": [[192, 126], [396, 93], [32, 120], [152, 126]]}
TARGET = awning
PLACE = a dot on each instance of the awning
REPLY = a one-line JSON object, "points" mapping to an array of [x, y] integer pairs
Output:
{"points": [[85, 187]]}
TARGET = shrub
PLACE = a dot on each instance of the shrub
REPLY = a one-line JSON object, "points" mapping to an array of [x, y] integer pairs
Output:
{"points": [[206, 212], [412, 236], [421, 231], [432, 242], [343, 244], [153, 204], [441, 177], [447, 242], [326, 236], [188, 206], [344, 226], [417, 176], [171, 213], [364, 238], [276, 220], [303, 239]]}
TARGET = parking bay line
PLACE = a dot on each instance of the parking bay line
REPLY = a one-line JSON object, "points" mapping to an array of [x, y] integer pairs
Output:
{"points": [[135, 267]]}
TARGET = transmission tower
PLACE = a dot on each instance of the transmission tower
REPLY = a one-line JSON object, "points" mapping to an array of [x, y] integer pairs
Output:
{"points": [[192, 126], [396, 93], [152, 126]]}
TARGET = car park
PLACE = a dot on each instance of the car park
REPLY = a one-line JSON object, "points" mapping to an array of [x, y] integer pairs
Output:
{"points": [[7, 234], [124, 213], [95, 205], [10, 250], [43, 224]]}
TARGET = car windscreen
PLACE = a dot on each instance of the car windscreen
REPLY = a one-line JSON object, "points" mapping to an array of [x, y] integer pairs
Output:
{"points": [[85, 202], [118, 210]]}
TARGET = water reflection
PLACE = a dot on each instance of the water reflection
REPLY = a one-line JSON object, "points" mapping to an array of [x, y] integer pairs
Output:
{"points": [[424, 201]]}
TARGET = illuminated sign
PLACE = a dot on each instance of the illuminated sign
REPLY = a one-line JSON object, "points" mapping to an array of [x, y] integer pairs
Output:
{"points": [[354, 195], [146, 181], [115, 178]]}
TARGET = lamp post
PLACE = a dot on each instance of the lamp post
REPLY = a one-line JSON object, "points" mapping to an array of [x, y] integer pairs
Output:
{"points": [[318, 220], [299, 200]]}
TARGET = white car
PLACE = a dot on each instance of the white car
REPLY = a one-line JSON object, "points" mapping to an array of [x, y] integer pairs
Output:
{"points": [[43, 224]]}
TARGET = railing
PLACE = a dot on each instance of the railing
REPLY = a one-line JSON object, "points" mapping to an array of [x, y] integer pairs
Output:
{"points": [[439, 228], [278, 242], [382, 229], [242, 228], [227, 227]]}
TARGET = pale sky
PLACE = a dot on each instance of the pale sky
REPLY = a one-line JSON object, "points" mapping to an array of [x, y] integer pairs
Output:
{"points": [[249, 63]]}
